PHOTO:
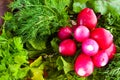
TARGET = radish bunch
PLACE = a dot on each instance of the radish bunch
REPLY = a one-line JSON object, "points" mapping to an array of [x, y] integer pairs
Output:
{"points": [[97, 46]]}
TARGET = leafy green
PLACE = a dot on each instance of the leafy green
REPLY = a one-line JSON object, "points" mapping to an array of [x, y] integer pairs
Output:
{"points": [[79, 5], [54, 44], [58, 5], [38, 74], [99, 6], [37, 68], [13, 58], [62, 64], [38, 44], [37, 62], [113, 6], [35, 20]]}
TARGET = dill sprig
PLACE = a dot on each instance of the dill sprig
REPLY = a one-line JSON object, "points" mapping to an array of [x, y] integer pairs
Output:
{"points": [[36, 19]]}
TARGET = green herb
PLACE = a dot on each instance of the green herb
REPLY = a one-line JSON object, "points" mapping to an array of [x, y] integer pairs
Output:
{"points": [[35, 19], [36, 22], [62, 64], [37, 69], [13, 58]]}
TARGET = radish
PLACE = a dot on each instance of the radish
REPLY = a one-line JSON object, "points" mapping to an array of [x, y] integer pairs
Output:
{"points": [[87, 18], [103, 37], [83, 65], [64, 33], [111, 51], [100, 59], [81, 33], [90, 47], [67, 47]]}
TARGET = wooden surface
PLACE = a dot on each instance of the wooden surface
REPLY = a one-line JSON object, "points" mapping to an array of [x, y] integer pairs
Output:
{"points": [[3, 8]]}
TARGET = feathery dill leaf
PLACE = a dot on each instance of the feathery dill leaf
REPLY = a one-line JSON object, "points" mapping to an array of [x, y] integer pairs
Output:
{"points": [[36, 19]]}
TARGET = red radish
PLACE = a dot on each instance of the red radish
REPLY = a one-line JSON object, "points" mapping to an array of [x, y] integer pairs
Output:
{"points": [[90, 47], [67, 47], [74, 28], [64, 33], [103, 37], [100, 59], [81, 33], [111, 51], [83, 65], [87, 18]]}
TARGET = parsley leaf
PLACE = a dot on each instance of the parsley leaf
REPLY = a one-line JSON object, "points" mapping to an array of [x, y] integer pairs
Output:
{"points": [[13, 58]]}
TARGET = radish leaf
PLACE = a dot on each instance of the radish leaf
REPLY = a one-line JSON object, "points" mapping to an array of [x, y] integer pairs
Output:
{"points": [[62, 64]]}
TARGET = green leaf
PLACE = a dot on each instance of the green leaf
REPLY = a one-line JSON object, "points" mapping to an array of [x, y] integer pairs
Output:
{"points": [[17, 72], [37, 62], [22, 72], [38, 71], [5, 77], [59, 5], [114, 6], [54, 44], [37, 74], [19, 59], [7, 16], [13, 58], [2, 67], [14, 69], [99, 6], [81, 1], [18, 43], [62, 64], [38, 44], [59, 63], [33, 54], [77, 6]]}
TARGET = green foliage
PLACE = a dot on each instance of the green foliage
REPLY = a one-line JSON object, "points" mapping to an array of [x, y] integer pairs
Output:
{"points": [[13, 58], [99, 6], [54, 43], [35, 19], [63, 65], [38, 44], [113, 69], [78, 5], [37, 62], [37, 69], [59, 5]]}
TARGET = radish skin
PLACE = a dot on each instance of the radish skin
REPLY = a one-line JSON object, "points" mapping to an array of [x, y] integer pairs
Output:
{"points": [[103, 37], [87, 18], [83, 65], [64, 33], [90, 47], [67, 47], [100, 59], [81, 33], [111, 51]]}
